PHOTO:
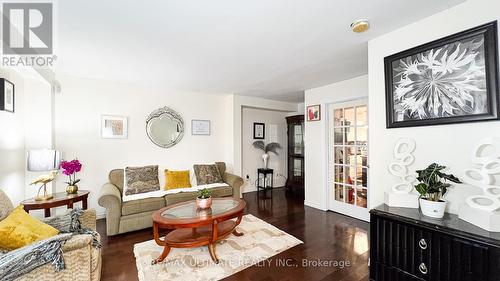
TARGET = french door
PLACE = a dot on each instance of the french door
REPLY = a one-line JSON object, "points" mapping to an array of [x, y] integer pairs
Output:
{"points": [[348, 159]]}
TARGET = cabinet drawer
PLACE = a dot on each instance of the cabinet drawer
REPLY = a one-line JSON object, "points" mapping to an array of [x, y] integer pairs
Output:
{"points": [[402, 246], [388, 273]]}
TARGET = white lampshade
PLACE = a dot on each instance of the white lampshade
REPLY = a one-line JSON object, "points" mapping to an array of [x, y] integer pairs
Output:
{"points": [[43, 160]]}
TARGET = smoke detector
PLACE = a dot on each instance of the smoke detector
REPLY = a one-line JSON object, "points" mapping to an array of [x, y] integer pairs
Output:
{"points": [[360, 26]]}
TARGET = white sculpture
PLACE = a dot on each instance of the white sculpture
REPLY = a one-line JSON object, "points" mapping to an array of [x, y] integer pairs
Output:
{"points": [[401, 195], [483, 210]]}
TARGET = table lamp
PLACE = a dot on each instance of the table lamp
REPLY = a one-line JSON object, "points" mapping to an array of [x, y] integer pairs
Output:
{"points": [[43, 160]]}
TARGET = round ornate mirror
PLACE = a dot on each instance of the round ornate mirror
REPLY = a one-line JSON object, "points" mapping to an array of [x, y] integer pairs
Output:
{"points": [[165, 127]]}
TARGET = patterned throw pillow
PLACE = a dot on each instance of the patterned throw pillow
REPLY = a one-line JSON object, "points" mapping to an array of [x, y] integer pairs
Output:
{"points": [[5, 205], [207, 174], [141, 179]]}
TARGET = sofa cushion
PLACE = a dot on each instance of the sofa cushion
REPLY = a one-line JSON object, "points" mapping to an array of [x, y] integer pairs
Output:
{"points": [[142, 205], [141, 179], [176, 179], [207, 174], [179, 197], [19, 229], [5, 205], [222, 191]]}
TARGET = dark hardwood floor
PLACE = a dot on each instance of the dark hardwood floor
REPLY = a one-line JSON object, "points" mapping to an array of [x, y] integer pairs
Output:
{"points": [[328, 238]]}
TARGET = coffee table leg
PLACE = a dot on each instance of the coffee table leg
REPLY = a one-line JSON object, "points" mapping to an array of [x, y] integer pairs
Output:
{"points": [[235, 232], [163, 255], [211, 249]]}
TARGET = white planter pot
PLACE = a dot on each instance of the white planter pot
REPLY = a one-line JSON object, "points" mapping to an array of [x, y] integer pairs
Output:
{"points": [[432, 209], [265, 159]]}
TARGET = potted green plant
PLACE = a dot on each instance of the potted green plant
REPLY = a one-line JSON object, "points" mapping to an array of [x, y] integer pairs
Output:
{"points": [[432, 188], [204, 199], [270, 147]]}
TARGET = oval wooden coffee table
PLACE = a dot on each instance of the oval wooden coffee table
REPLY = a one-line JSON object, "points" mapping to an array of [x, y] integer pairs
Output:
{"points": [[196, 227]]}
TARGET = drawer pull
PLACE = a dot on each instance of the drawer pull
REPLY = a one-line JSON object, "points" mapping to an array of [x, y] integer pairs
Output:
{"points": [[422, 244], [423, 268]]}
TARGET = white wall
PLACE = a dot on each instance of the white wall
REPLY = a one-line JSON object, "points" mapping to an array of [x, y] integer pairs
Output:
{"points": [[29, 127], [252, 158], [449, 145], [82, 102], [12, 153], [315, 139]]}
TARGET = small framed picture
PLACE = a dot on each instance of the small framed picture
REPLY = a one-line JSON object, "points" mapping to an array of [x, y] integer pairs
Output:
{"points": [[6, 95], [200, 127], [314, 112], [114, 127], [259, 131]]}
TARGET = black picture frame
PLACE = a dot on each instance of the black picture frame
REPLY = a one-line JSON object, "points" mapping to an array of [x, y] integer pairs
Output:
{"points": [[3, 95], [489, 33], [255, 131]]}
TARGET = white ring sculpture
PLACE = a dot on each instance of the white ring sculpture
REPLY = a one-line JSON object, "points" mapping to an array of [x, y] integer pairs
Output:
{"points": [[403, 150], [486, 154]]}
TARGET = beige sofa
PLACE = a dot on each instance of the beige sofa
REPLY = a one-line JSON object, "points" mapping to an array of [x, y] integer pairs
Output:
{"points": [[133, 215], [82, 260]]}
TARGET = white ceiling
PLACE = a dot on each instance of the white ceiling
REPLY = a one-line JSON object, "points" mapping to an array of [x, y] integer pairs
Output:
{"points": [[270, 48]]}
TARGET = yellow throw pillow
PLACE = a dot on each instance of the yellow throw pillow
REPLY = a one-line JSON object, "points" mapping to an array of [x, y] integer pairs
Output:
{"points": [[19, 229], [176, 179]]}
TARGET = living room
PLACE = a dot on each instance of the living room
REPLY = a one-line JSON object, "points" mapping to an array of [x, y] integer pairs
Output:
{"points": [[255, 140]]}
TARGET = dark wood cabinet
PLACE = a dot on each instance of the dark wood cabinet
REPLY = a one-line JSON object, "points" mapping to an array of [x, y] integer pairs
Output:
{"points": [[295, 179], [405, 245]]}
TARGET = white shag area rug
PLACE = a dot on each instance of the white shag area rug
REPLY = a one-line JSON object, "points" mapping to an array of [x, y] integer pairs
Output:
{"points": [[259, 242]]}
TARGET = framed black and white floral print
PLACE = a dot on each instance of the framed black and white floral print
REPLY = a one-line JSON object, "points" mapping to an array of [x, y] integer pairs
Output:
{"points": [[450, 80]]}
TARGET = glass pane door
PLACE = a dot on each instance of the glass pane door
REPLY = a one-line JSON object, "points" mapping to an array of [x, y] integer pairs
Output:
{"points": [[349, 158]]}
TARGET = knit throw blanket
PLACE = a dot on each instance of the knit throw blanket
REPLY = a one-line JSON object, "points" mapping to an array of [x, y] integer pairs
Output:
{"points": [[23, 260]]}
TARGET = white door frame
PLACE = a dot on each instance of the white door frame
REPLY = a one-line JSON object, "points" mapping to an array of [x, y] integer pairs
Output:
{"points": [[332, 204]]}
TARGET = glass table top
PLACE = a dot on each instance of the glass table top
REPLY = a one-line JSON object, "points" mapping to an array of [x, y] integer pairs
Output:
{"points": [[190, 211]]}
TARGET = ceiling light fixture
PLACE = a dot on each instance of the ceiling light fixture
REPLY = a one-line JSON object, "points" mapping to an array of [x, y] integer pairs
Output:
{"points": [[360, 26]]}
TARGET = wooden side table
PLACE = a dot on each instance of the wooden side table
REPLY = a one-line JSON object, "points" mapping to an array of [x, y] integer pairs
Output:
{"points": [[60, 199]]}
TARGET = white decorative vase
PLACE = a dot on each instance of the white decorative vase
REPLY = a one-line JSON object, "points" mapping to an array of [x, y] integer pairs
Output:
{"points": [[265, 158], [433, 209]]}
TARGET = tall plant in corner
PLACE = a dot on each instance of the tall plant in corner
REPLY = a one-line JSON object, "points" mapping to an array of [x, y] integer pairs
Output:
{"points": [[266, 148], [432, 188]]}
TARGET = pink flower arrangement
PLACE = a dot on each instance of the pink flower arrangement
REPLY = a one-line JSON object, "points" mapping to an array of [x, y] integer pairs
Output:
{"points": [[70, 168]]}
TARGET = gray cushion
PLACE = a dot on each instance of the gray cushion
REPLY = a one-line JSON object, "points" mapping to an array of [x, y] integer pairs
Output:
{"points": [[141, 179], [142, 205]]}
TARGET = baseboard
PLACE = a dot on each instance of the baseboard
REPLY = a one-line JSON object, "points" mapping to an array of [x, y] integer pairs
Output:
{"points": [[101, 216], [314, 205], [253, 188]]}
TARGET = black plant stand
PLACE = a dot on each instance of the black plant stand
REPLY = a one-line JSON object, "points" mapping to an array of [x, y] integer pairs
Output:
{"points": [[262, 182]]}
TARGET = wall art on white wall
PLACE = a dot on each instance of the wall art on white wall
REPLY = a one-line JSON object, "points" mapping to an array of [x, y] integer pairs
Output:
{"points": [[200, 127], [484, 210], [401, 193], [114, 127], [259, 131], [6, 95], [450, 80]]}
